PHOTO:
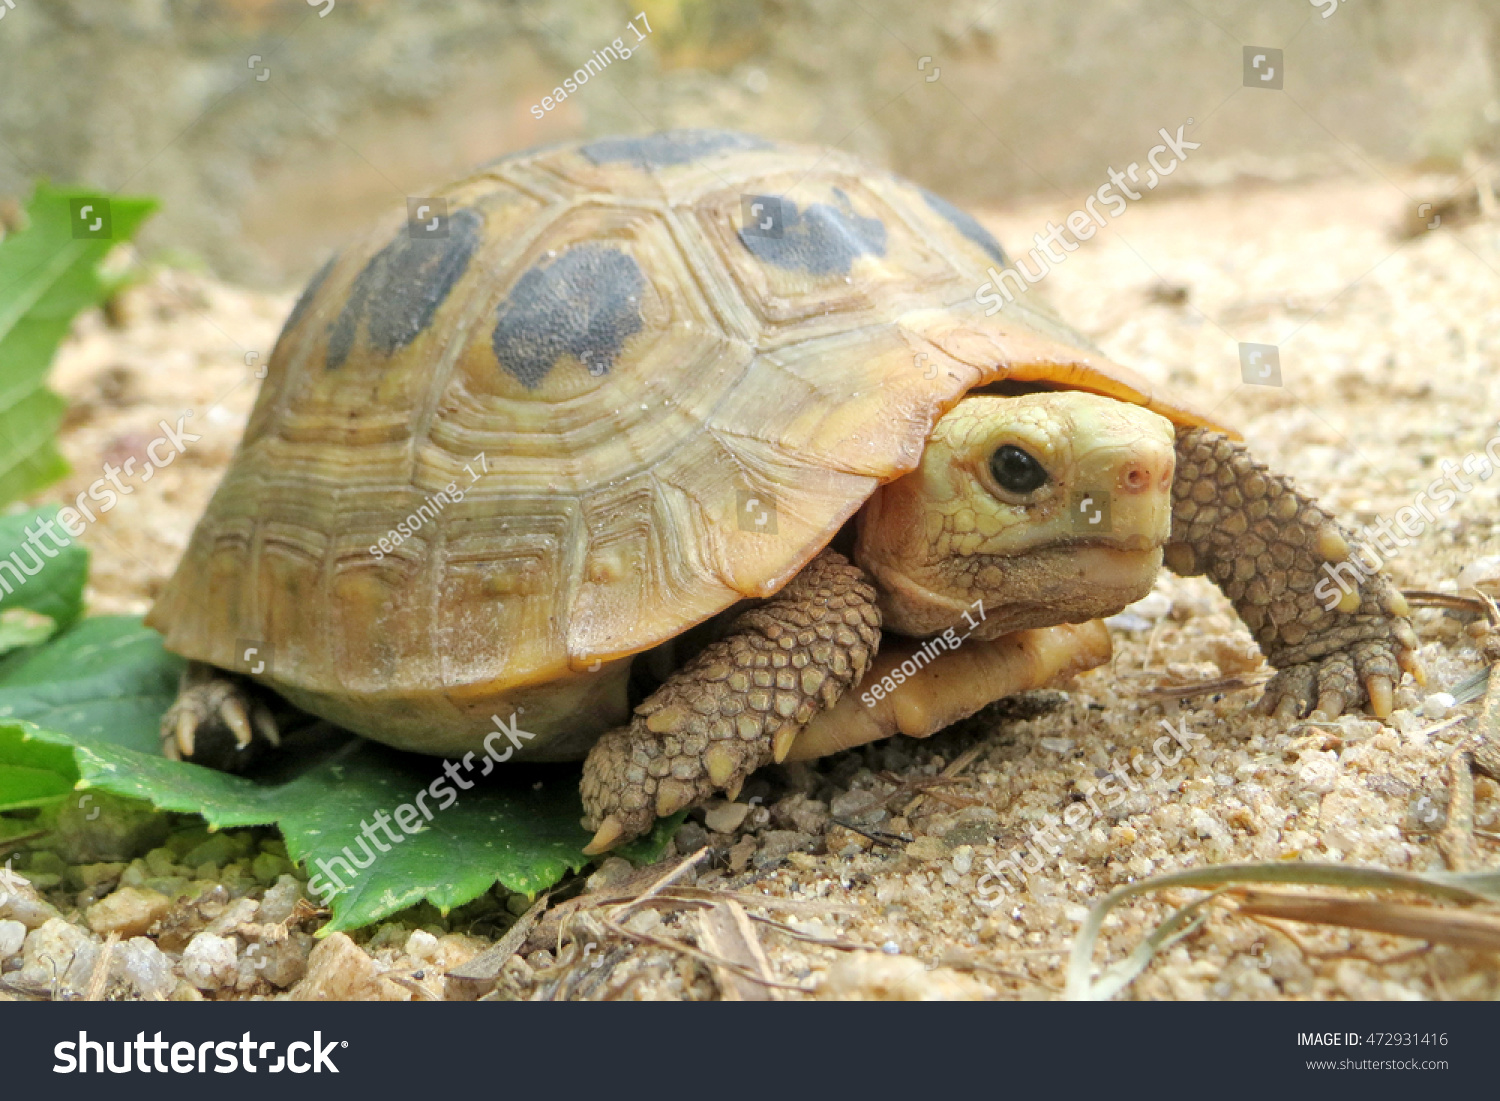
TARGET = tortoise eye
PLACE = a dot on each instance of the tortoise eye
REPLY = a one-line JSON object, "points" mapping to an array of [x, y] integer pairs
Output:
{"points": [[1017, 471]]}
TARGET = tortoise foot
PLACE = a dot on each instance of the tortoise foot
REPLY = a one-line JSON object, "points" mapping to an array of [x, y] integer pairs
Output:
{"points": [[737, 706], [1311, 592], [217, 721]]}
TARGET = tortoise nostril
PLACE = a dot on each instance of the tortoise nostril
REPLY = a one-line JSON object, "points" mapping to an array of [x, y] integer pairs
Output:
{"points": [[1135, 477]]}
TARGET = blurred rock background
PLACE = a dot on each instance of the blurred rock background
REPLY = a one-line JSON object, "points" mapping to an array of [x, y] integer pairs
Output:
{"points": [[366, 101]]}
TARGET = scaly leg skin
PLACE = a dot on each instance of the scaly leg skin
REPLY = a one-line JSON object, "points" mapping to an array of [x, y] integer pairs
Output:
{"points": [[953, 686], [1265, 545], [738, 705], [217, 720]]}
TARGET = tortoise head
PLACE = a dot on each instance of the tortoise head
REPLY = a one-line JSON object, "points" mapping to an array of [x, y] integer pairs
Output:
{"points": [[1024, 512]]}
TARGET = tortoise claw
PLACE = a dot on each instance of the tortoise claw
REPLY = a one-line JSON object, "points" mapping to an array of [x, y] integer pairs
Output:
{"points": [[179, 745], [237, 718], [1380, 689], [265, 724], [781, 745], [608, 835], [672, 796], [1330, 703], [1412, 664]]}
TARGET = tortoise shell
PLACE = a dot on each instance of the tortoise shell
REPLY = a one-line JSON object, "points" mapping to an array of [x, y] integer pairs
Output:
{"points": [[587, 398]]}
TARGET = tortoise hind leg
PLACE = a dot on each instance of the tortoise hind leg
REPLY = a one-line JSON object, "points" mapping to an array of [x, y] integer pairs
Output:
{"points": [[217, 720], [738, 705]]}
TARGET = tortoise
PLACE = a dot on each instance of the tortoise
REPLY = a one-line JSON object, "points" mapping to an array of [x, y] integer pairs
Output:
{"points": [[690, 452]]}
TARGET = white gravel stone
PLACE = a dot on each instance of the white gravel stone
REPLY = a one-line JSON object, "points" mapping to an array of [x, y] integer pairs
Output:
{"points": [[12, 938], [59, 953], [421, 945], [210, 961], [725, 817], [279, 901], [20, 902], [1437, 705], [1479, 570], [1318, 772], [146, 968], [1404, 721]]}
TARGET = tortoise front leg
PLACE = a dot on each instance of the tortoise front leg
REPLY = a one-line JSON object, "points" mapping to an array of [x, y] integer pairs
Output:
{"points": [[1335, 630], [953, 686], [738, 705]]}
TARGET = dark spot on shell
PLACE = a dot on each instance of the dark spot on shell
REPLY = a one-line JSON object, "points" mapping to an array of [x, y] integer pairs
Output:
{"points": [[669, 147], [822, 240], [402, 286], [966, 224], [586, 303]]}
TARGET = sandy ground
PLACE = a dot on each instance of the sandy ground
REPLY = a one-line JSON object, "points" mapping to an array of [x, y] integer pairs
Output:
{"points": [[1387, 349]]}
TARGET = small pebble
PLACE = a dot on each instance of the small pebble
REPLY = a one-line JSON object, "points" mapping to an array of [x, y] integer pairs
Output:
{"points": [[280, 900], [1486, 569], [614, 871], [12, 937], [1143, 614], [210, 961], [725, 817], [59, 953], [1437, 705], [1056, 745], [146, 968], [1404, 721], [691, 836], [130, 911], [421, 945]]}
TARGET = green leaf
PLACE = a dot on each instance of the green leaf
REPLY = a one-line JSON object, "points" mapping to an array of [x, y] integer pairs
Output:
{"points": [[42, 574], [49, 274], [21, 627], [30, 787], [95, 694], [107, 680], [524, 835], [32, 772]]}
